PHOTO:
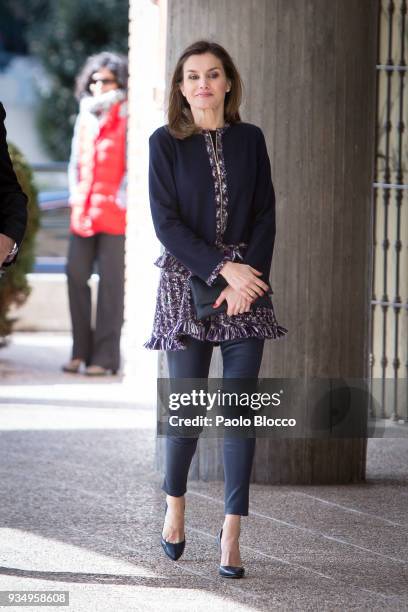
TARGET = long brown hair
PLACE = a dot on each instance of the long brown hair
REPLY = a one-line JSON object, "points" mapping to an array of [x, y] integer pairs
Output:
{"points": [[180, 118]]}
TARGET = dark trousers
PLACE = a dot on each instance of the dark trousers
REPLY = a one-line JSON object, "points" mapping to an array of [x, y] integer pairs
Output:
{"points": [[102, 345], [241, 359]]}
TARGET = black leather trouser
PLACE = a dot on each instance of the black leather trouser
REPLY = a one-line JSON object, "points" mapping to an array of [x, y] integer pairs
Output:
{"points": [[241, 359]]}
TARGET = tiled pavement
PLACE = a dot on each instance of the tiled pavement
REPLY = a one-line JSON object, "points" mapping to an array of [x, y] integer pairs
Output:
{"points": [[81, 510]]}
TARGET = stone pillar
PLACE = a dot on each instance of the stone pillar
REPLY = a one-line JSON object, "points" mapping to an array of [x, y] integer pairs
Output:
{"points": [[309, 75], [147, 23]]}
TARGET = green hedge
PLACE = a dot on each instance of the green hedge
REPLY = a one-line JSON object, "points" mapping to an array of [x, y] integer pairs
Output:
{"points": [[14, 288], [70, 32], [62, 34]]}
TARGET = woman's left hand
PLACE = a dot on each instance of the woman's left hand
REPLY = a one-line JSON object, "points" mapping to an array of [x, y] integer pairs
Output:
{"points": [[236, 303]]}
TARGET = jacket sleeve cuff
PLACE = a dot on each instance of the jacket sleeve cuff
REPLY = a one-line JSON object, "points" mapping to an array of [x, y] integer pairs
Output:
{"points": [[213, 276], [12, 254]]}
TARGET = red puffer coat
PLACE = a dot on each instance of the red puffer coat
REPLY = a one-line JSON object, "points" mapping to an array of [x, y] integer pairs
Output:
{"points": [[100, 167]]}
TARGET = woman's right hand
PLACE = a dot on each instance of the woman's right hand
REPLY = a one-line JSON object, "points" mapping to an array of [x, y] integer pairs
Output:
{"points": [[244, 280], [236, 304]]}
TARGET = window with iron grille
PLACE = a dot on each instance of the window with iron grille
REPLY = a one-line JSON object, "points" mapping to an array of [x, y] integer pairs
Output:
{"points": [[389, 332]]}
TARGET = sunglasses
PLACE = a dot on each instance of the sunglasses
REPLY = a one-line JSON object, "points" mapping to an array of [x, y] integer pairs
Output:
{"points": [[103, 81]]}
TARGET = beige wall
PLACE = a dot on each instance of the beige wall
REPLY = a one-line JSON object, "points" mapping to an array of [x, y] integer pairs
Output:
{"points": [[146, 55]]}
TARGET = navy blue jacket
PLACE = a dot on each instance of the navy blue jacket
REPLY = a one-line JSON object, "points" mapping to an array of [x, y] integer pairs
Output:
{"points": [[13, 202], [182, 197]]}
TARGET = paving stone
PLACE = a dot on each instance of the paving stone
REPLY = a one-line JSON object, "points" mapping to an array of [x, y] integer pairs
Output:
{"points": [[82, 510]]}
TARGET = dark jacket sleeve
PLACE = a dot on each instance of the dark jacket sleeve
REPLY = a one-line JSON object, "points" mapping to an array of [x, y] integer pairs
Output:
{"points": [[13, 202], [262, 239], [195, 253]]}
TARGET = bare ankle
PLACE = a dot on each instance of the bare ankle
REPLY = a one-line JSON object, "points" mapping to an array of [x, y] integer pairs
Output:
{"points": [[232, 524], [176, 503]]}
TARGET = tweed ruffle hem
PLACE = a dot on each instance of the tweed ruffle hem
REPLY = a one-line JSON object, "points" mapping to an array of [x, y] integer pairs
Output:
{"points": [[175, 315]]}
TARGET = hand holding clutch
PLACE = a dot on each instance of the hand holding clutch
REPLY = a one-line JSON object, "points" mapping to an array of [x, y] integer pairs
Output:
{"points": [[205, 296], [244, 279]]}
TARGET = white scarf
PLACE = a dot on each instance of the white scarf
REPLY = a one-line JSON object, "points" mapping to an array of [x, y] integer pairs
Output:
{"points": [[103, 102]]}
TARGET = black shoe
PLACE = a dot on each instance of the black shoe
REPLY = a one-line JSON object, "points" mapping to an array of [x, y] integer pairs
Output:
{"points": [[229, 571], [174, 550], [73, 366]]}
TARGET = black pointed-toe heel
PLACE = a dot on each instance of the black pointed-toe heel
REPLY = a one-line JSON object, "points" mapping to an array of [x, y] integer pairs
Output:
{"points": [[174, 550], [229, 571]]}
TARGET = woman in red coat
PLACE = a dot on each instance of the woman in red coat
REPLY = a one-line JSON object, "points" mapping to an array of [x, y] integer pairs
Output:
{"points": [[97, 178]]}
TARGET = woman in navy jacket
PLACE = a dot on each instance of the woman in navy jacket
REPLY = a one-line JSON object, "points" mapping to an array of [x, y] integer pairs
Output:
{"points": [[213, 209]]}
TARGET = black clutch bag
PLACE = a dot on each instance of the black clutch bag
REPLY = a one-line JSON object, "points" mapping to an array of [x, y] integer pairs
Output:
{"points": [[204, 297]]}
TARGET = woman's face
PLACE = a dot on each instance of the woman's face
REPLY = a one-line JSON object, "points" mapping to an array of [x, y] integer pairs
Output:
{"points": [[101, 81], [204, 82]]}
